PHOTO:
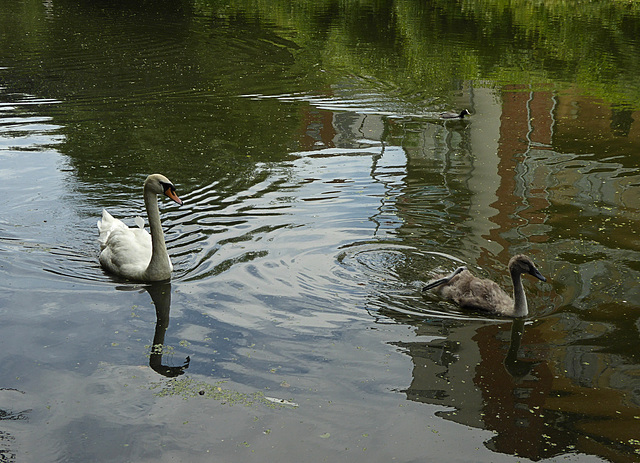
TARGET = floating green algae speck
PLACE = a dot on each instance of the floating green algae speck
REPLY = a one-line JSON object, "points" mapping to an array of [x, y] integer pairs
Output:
{"points": [[189, 388]]}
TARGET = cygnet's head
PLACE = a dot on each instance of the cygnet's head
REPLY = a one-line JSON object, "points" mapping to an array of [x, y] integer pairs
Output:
{"points": [[522, 264]]}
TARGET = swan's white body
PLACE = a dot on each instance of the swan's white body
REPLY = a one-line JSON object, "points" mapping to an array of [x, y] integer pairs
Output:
{"points": [[469, 291], [133, 253]]}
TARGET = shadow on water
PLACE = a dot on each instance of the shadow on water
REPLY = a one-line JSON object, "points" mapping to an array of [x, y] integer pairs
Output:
{"points": [[10, 403]]}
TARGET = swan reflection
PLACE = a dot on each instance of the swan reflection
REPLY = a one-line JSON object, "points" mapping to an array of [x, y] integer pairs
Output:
{"points": [[517, 368], [161, 296], [482, 376]]}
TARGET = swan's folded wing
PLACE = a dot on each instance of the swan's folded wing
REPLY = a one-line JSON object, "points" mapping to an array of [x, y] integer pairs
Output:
{"points": [[127, 251], [139, 222], [106, 226], [488, 295]]}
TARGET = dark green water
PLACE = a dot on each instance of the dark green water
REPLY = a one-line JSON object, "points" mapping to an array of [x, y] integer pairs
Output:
{"points": [[321, 191]]}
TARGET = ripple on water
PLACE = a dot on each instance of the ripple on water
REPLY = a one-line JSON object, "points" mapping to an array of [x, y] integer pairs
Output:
{"points": [[365, 95], [212, 232], [41, 235], [394, 276]]}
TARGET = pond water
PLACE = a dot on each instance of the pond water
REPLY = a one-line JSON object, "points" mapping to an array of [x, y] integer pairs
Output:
{"points": [[321, 191]]}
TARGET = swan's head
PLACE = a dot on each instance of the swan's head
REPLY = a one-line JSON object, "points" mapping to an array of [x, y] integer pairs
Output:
{"points": [[522, 264], [161, 185]]}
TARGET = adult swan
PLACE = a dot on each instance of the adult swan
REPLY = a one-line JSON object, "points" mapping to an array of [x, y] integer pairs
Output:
{"points": [[131, 252]]}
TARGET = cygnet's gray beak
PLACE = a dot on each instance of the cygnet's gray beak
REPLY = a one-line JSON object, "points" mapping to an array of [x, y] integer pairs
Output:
{"points": [[538, 275]]}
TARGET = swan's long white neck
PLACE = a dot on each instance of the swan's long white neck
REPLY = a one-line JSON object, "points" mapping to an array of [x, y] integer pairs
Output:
{"points": [[159, 267], [520, 308]]}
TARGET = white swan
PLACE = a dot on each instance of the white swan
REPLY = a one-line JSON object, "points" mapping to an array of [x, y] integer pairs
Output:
{"points": [[471, 292], [131, 252]]}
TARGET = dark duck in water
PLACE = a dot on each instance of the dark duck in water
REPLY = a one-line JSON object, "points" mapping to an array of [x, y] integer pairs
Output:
{"points": [[451, 115]]}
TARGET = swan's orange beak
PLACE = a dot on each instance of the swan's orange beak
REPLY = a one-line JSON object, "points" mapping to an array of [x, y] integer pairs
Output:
{"points": [[171, 193]]}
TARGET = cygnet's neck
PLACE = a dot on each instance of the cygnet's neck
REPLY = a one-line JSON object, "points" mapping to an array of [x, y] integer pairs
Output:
{"points": [[520, 308]]}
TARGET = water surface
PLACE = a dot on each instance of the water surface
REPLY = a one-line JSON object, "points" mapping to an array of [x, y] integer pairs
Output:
{"points": [[321, 190]]}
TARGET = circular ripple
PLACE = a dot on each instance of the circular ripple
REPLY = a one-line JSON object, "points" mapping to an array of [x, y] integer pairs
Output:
{"points": [[394, 276]]}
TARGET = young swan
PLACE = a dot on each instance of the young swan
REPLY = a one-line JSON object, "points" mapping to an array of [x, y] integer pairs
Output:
{"points": [[472, 292]]}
